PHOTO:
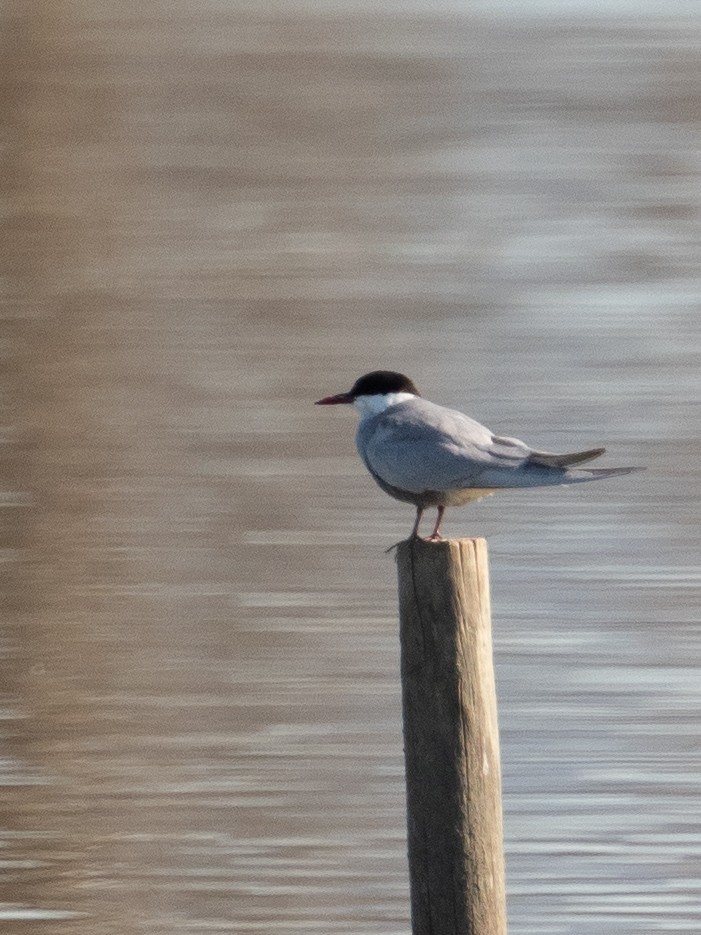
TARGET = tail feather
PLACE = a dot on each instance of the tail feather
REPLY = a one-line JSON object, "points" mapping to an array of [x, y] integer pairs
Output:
{"points": [[599, 473], [548, 459]]}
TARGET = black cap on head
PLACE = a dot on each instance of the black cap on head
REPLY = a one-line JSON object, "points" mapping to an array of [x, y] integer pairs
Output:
{"points": [[382, 381]]}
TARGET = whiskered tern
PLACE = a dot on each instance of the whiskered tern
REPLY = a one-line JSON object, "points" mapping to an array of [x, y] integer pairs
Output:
{"points": [[431, 456]]}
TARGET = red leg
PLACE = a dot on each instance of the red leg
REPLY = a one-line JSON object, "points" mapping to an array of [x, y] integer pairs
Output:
{"points": [[419, 514], [436, 534]]}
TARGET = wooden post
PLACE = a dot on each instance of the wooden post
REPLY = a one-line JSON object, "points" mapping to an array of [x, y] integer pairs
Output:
{"points": [[451, 739]]}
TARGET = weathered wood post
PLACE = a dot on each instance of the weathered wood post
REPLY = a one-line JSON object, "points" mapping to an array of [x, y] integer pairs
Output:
{"points": [[451, 739]]}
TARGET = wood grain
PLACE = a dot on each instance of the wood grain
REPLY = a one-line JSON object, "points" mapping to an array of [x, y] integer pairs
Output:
{"points": [[451, 739]]}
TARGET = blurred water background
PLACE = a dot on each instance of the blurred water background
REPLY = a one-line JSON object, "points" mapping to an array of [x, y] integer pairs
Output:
{"points": [[215, 213]]}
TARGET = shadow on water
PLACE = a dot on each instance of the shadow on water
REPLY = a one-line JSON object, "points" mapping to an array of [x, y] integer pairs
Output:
{"points": [[212, 218]]}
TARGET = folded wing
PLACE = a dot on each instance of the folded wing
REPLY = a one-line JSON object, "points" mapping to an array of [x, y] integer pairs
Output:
{"points": [[421, 446]]}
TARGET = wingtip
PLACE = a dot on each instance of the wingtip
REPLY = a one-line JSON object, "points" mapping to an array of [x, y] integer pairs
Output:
{"points": [[551, 460]]}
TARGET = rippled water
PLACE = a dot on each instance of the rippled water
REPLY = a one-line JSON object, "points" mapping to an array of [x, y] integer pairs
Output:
{"points": [[214, 216]]}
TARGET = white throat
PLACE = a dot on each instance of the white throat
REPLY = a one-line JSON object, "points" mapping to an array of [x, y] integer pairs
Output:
{"points": [[369, 406]]}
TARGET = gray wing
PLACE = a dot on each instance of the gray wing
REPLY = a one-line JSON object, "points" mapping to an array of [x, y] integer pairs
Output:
{"points": [[420, 446]]}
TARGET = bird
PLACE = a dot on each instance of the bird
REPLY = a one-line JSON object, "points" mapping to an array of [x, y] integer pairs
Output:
{"points": [[425, 454]]}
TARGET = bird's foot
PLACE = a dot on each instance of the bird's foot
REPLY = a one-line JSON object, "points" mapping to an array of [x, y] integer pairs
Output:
{"points": [[434, 537], [414, 537]]}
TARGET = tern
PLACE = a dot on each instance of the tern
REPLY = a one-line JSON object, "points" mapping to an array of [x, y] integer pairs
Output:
{"points": [[425, 454]]}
